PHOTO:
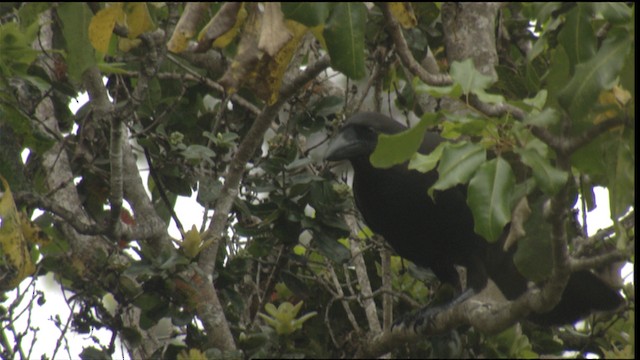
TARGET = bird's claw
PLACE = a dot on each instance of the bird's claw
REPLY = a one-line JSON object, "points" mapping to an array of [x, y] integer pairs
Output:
{"points": [[420, 322]]}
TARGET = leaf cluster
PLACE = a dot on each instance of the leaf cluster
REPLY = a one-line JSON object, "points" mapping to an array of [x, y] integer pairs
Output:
{"points": [[190, 83]]}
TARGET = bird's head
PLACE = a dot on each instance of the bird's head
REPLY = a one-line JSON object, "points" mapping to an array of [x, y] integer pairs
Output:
{"points": [[359, 136]]}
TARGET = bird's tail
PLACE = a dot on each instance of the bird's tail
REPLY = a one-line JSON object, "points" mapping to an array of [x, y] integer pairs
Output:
{"points": [[584, 294]]}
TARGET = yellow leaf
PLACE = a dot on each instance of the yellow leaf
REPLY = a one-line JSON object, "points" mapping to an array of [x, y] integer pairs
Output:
{"points": [[226, 38], [179, 41], [15, 260], [611, 102], [193, 354], [186, 27], [299, 250], [32, 232], [257, 69], [125, 45], [191, 242], [223, 27], [138, 19], [622, 96], [279, 64], [283, 319], [403, 13], [317, 32], [102, 24]]}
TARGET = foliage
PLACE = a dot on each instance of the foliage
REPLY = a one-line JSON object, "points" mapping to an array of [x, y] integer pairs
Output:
{"points": [[213, 100]]}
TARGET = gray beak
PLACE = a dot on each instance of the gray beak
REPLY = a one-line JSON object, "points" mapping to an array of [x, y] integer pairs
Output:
{"points": [[349, 144]]}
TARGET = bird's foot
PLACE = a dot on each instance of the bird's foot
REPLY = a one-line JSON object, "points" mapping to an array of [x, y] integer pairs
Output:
{"points": [[419, 322], [423, 321]]}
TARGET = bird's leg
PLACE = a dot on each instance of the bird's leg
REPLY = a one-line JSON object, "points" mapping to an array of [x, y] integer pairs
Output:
{"points": [[422, 320]]}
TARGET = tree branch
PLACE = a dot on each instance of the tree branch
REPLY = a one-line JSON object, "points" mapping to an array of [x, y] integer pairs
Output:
{"points": [[407, 59], [576, 142], [601, 260], [80, 225], [369, 304], [236, 167], [340, 294], [497, 110], [194, 76], [216, 325], [402, 49]]}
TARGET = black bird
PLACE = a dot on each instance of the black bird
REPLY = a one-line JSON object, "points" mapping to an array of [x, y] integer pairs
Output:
{"points": [[438, 234]]}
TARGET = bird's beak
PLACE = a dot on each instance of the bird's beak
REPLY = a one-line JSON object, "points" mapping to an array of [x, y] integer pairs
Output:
{"points": [[347, 145]]}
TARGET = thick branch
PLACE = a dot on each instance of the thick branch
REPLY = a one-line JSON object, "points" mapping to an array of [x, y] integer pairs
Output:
{"points": [[149, 226], [79, 224], [115, 159], [56, 163], [363, 279], [215, 323], [486, 316], [246, 149]]}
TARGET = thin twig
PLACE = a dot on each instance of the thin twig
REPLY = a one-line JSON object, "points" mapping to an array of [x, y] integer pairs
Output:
{"points": [[574, 143], [193, 75]]}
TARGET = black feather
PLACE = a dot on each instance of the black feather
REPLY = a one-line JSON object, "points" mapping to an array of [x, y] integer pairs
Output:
{"points": [[439, 233]]}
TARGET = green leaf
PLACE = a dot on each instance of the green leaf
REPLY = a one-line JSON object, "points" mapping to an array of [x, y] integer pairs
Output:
{"points": [[471, 80], [548, 177], [426, 163], [486, 97], [595, 75], [112, 68], [538, 101], [398, 148], [458, 163], [344, 35], [615, 12], [309, 14], [75, 29], [330, 248], [457, 125], [544, 10], [489, 198], [533, 256], [545, 118], [577, 35], [628, 77], [29, 12], [198, 152], [621, 177], [94, 354], [16, 54], [589, 159], [558, 74]]}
